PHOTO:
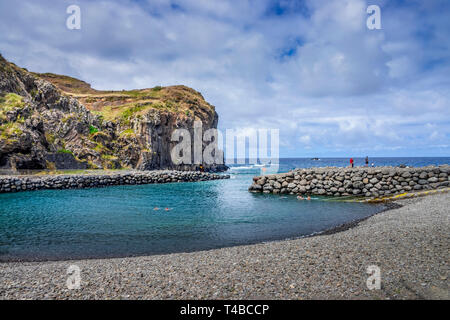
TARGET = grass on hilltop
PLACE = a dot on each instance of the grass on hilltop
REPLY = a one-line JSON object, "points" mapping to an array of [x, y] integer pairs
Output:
{"points": [[125, 104]]}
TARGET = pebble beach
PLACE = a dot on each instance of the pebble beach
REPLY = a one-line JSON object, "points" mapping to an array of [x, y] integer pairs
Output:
{"points": [[410, 245]]}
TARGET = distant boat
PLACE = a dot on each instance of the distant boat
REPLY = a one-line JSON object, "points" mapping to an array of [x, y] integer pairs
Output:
{"points": [[315, 159]]}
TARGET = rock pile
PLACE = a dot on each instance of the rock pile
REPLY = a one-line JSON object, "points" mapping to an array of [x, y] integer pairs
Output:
{"points": [[368, 182], [28, 183]]}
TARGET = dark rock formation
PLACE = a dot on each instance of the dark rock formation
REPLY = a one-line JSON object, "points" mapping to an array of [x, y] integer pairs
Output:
{"points": [[124, 129], [65, 161]]}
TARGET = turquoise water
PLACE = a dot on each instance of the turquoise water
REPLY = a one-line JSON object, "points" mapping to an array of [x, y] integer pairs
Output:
{"points": [[121, 221]]}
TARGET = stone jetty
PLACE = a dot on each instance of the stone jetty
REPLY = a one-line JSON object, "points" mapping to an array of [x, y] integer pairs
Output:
{"points": [[359, 181], [30, 182]]}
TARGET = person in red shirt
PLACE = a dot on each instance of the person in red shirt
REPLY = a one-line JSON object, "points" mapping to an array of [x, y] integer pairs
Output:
{"points": [[351, 162]]}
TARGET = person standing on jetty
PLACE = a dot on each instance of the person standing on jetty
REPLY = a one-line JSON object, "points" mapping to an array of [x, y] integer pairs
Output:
{"points": [[367, 161], [351, 162]]}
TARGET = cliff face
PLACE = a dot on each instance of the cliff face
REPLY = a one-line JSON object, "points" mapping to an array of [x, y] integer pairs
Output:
{"points": [[45, 114]]}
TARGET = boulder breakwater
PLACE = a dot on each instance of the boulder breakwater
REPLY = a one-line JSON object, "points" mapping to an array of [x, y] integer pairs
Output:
{"points": [[360, 181], [29, 183]]}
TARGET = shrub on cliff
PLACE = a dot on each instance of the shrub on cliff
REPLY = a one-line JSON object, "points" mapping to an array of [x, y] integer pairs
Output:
{"points": [[65, 151], [9, 102], [92, 129]]}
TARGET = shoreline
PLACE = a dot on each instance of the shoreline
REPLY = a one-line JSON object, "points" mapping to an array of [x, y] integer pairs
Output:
{"points": [[391, 205], [409, 244]]}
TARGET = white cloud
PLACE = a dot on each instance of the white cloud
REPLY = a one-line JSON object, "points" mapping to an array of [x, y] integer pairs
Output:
{"points": [[315, 71]]}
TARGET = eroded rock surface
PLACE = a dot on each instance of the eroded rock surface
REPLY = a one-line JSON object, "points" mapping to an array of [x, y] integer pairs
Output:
{"points": [[103, 129]]}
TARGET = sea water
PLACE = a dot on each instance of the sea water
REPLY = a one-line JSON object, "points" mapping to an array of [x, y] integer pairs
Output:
{"points": [[125, 221]]}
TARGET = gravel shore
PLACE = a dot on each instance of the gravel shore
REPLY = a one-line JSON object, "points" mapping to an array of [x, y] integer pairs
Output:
{"points": [[410, 245]]}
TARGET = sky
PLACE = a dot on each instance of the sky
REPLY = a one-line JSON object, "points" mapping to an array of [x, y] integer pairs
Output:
{"points": [[311, 68]]}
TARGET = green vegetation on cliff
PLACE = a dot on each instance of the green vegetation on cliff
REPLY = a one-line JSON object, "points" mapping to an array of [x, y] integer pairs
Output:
{"points": [[43, 114], [122, 105], [10, 130], [9, 102]]}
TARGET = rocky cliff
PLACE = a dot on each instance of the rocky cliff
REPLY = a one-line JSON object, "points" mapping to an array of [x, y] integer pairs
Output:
{"points": [[47, 114]]}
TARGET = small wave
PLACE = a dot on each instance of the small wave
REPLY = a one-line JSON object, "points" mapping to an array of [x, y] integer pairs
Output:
{"points": [[242, 168]]}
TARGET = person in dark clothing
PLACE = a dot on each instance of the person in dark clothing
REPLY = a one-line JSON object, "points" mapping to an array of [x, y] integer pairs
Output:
{"points": [[367, 161]]}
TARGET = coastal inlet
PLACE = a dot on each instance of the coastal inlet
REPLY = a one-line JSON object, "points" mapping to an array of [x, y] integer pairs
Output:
{"points": [[158, 218], [29, 183]]}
